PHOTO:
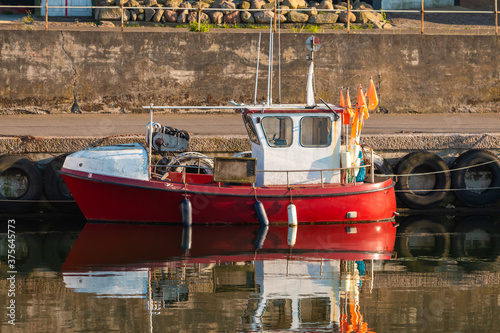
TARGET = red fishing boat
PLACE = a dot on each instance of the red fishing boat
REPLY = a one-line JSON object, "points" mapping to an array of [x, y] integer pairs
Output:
{"points": [[306, 166]]}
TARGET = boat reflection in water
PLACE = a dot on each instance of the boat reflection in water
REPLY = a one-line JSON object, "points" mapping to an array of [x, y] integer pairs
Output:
{"points": [[308, 276]]}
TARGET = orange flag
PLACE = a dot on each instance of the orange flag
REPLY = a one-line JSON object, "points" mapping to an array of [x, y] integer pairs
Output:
{"points": [[361, 103], [372, 96], [355, 125], [349, 105], [345, 116]]}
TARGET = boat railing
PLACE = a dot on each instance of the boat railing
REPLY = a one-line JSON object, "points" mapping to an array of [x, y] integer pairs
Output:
{"points": [[43, 9], [348, 172]]}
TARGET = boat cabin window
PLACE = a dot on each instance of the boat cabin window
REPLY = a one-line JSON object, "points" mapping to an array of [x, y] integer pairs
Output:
{"points": [[315, 131], [278, 131], [252, 133]]}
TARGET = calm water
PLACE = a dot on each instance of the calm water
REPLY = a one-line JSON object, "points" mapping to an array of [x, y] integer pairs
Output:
{"points": [[439, 274]]}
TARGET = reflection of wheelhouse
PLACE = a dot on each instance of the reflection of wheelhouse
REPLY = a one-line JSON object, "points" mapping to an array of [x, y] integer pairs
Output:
{"points": [[307, 140], [279, 294]]}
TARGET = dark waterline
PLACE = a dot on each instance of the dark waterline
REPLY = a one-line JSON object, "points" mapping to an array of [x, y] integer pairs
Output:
{"points": [[444, 276]]}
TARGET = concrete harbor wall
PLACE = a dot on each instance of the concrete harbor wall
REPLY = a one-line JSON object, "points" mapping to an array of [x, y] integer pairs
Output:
{"points": [[109, 71]]}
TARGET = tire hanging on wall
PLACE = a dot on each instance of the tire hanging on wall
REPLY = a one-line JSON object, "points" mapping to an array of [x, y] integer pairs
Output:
{"points": [[55, 188], [458, 178], [382, 167], [422, 162], [20, 184]]}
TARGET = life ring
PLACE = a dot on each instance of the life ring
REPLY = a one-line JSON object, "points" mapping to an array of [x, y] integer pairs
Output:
{"points": [[459, 180], [190, 161], [438, 183], [484, 230], [55, 188], [20, 184], [435, 240], [243, 154]]}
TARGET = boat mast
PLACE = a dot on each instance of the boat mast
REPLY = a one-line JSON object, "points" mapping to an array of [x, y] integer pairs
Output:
{"points": [[313, 44], [270, 65], [257, 71], [150, 134]]}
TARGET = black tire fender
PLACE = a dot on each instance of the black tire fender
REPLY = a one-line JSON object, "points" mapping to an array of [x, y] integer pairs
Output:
{"points": [[473, 198], [422, 225], [55, 188], [35, 184], [426, 162], [382, 167]]}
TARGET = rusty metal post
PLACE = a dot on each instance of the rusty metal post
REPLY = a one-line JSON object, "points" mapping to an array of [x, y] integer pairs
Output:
{"points": [[275, 17], [46, 14], [496, 17], [199, 20], [348, 15], [422, 12], [121, 4]]}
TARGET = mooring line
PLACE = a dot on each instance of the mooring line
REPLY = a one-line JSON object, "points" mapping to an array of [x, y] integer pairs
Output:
{"points": [[437, 172]]}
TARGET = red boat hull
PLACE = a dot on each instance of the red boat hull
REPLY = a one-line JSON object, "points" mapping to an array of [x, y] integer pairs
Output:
{"points": [[104, 246], [107, 198]]}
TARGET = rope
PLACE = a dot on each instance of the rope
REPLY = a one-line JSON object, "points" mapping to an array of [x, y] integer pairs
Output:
{"points": [[437, 172], [291, 197], [450, 189], [28, 201]]}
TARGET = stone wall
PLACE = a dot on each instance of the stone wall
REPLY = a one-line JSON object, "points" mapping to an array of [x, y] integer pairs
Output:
{"points": [[95, 71]]}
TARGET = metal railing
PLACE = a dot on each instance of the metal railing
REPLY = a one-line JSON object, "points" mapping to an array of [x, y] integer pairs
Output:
{"points": [[347, 174], [276, 11]]}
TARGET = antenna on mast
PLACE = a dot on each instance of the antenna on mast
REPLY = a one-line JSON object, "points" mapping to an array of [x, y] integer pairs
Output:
{"points": [[312, 44], [270, 68], [257, 72]]}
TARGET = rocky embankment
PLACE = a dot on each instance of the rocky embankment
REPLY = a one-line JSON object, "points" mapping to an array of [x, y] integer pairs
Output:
{"points": [[242, 11]]}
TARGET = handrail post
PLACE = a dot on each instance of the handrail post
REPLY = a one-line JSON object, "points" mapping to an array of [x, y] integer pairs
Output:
{"points": [[422, 24], [372, 169], [275, 17], [348, 15], [121, 4], [46, 14], [150, 134], [322, 179], [496, 17], [199, 16]]}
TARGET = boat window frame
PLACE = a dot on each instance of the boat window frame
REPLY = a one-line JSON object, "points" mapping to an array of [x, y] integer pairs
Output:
{"points": [[250, 127], [263, 119], [329, 132]]}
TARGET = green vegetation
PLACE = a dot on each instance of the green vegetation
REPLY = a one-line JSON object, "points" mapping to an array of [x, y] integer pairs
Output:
{"points": [[298, 28], [203, 27], [28, 19], [384, 16], [315, 29]]}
